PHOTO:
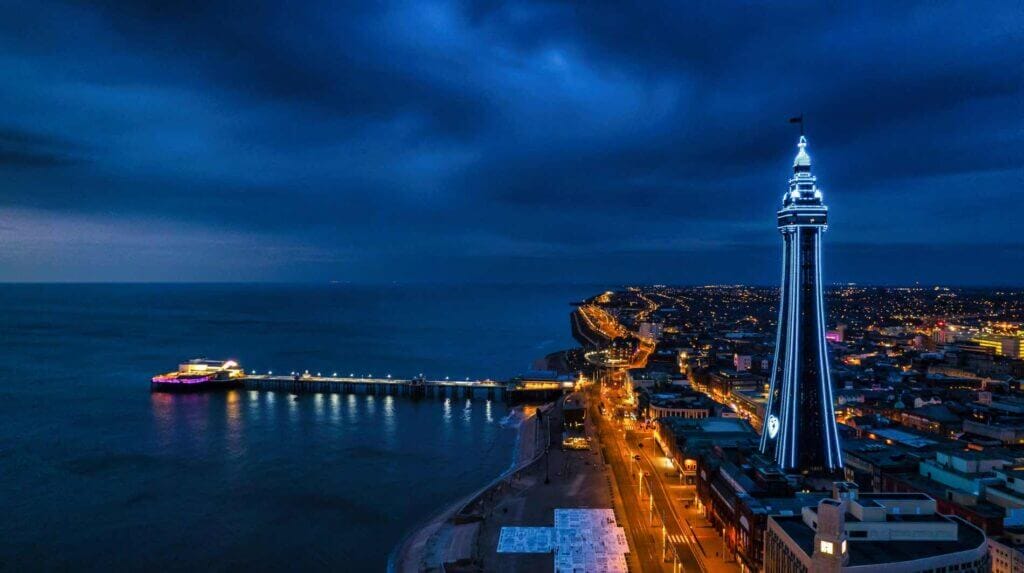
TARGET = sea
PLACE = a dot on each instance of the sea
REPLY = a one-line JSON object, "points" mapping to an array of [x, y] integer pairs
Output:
{"points": [[97, 473]]}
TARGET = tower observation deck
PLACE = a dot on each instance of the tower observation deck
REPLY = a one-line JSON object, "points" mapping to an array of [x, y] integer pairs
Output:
{"points": [[800, 427]]}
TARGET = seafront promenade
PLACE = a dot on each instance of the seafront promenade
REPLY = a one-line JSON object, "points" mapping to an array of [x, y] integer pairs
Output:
{"points": [[465, 536]]}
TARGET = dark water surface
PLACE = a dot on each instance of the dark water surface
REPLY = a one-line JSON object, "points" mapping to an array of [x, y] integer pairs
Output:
{"points": [[97, 473]]}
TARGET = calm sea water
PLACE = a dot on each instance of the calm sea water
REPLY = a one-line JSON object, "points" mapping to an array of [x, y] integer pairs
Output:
{"points": [[97, 473]]}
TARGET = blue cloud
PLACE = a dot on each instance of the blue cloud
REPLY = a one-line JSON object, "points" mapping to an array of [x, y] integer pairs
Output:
{"points": [[389, 142]]}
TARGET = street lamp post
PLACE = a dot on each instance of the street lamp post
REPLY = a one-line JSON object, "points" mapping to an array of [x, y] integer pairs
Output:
{"points": [[547, 450]]}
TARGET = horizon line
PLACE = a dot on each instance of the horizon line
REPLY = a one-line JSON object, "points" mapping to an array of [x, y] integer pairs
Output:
{"points": [[607, 284]]}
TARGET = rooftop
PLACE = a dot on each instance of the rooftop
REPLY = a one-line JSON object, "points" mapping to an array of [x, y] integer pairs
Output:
{"points": [[904, 437], [878, 453], [938, 491], [706, 425], [864, 552]]}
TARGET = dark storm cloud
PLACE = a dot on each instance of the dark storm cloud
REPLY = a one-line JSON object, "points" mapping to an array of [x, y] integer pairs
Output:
{"points": [[20, 148], [436, 140]]}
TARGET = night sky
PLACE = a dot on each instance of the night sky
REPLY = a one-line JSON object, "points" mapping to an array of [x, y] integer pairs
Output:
{"points": [[506, 142]]}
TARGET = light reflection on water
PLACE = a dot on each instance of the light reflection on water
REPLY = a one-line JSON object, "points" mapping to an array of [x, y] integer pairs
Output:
{"points": [[352, 408], [277, 450], [269, 398], [194, 409], [253, 406], [335, 409], [163, 416], [390, 423], [446, 417], [235, 424], [181, 418], [293, 409], [318, 403]]}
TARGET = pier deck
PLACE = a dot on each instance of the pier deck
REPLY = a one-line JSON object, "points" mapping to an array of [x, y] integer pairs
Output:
{"points": [[482, 389], [201, 374]]}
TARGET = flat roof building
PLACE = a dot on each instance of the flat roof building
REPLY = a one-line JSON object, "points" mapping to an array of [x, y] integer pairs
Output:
{"points": [[853, 532]]}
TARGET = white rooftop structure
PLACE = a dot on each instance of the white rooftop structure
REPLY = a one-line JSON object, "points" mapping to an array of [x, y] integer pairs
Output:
{"points": [[802, 159], [583, 541]]}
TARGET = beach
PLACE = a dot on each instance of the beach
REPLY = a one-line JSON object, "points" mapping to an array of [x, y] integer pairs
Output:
{"points": [[451, 535]]}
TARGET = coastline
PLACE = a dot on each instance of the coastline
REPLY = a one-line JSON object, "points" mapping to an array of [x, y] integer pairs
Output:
{"points": [[410, 554]]}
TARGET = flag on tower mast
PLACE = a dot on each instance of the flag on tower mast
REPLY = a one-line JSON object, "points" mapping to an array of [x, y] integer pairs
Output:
{"points": [[798, 119]]}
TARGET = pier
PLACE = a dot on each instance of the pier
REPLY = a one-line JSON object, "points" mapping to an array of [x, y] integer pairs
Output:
{"points": [[414, 387], [201, 374]]}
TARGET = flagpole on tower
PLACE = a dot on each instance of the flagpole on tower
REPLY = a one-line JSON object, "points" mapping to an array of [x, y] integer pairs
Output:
{"points": [[798, 119]]}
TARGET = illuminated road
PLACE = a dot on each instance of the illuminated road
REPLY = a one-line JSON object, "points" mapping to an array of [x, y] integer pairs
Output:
{"points": [[644, 543], [659, 544], [602, 323], [701, 541], [651, 307], [668, 531]]}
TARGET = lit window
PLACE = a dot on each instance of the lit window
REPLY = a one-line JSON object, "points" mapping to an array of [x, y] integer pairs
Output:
{"points": [[844, 546], [826, 547]]}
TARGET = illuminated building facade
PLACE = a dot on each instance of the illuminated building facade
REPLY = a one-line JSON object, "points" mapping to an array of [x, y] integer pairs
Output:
{"points": [[800, 427], [1002, 345]]}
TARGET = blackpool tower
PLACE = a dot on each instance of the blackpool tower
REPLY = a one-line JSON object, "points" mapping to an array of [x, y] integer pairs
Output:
{"points": [[800, 423]]}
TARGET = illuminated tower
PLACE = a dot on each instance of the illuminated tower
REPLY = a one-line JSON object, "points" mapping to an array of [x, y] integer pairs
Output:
{"points": [[800, 424]]}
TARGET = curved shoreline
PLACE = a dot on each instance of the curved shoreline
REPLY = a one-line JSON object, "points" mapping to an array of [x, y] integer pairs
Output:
{"points": [[408, 555]]}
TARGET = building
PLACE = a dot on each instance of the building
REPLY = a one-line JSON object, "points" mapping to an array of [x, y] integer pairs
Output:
{"points": [[1007, 553], [1007, 432], [867, 461], [978, 486], [675, 402], [738, 488], [724, 382], [749, 404], [1003, 345], [800, 429], [933, 418], [1008, 493], [540, 386], [852, 532], [652, 330], [574, 411], [742, 362], [685, 439], [674, 406]]}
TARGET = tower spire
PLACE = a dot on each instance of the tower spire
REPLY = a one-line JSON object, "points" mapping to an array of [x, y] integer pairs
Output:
{"points": [[802, 159]]}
